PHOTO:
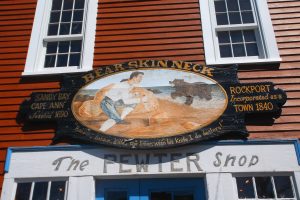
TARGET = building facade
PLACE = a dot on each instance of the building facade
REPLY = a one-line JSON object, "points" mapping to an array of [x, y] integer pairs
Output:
{"points": [[41, 41]]}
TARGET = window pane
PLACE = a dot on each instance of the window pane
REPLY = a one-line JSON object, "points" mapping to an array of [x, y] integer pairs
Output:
{"points": [[54, 18], [66, 16], [238, 50], [78, 15], [51, 47], [220, 6], [62, 60], [116, 195], [161, 196], [264, 187], [222, 19], [223, 37], [68, 4], [234, 18], [40, 191], [245, 5], [64, 47], [232, 5], [57, 191], [245, 187], [76, 46], [252, 49], [74, 59], [76, 28], [283, 187], [23, 191], [52, 30], [79, 4], [49, 61], [64, 29], [225, 51], [249, 36], [247, 17], [183, 195], [56, 4], [236, 36]]}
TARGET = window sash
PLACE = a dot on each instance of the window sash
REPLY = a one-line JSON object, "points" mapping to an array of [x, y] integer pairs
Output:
{"points": [[33, 182], [234, 27], [260, 46], [58, 38], [213, 11], [273, 186]]}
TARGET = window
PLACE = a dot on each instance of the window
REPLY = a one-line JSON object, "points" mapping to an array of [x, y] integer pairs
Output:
{"points": [[265, 187], [63, 37], [238, 31], [43, 190]]}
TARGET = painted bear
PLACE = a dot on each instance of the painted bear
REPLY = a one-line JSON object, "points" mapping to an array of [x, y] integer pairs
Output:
{"points": [[190, 90]]}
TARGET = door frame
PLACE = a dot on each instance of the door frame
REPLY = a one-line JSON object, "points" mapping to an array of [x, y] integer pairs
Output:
{"points": [[139, 189]]}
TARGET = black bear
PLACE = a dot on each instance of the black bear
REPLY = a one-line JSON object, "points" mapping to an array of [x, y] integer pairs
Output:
{"points": [[190, 90]]}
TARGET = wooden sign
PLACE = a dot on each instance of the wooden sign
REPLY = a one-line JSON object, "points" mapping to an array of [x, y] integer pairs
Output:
{"points": [[153, 104]]}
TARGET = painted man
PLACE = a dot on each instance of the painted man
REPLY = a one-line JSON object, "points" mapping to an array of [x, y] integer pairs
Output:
{"points": [[120, 95]]}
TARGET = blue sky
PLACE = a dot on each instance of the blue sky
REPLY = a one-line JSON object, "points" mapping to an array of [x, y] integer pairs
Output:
{"points": [[152, 78]]}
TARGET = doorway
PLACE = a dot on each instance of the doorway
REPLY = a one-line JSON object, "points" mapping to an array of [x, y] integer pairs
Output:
{"points": [[151, 189]]}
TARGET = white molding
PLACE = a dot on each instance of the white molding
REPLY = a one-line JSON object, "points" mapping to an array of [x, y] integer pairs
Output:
{"points": [[267, 29], [90, 33], [220, 186], [55, 71], [207, 31], [8, 189], [242, 61], [297, 184], [36, 50], [210, 39], [80, 188], [35, 39], [210, 158]]}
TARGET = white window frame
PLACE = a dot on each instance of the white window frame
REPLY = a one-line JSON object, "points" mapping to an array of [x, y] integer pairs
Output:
{"points": [[267, 47], [35, 180], [37, 50], [266, 174]]}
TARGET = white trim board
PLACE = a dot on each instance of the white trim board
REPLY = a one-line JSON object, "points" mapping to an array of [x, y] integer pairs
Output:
{"points": [[194, 159]]}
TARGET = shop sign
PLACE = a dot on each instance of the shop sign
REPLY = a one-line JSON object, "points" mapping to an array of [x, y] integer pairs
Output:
{"points": [[153, 104]]}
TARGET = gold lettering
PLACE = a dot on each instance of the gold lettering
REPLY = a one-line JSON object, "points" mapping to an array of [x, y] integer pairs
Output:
{"points": [[244, 108], [38, 106], [88, 77], [108, 70], [196, 68], [177, 64], [56, 105], [163, 63], [143, 63], [187, 66], [207, 71], [133, 64], [232, 90], [98, 72], [119, 67], [250, 89]]}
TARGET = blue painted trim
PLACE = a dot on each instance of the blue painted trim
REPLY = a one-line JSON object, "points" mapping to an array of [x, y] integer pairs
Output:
{"points": [[7, 160]]}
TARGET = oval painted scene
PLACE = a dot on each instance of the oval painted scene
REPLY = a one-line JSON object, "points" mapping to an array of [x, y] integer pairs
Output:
{"points": [[152, 103]]}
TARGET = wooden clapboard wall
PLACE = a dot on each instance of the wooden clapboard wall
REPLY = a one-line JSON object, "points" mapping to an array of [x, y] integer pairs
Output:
{"points": [[132, 29]]}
